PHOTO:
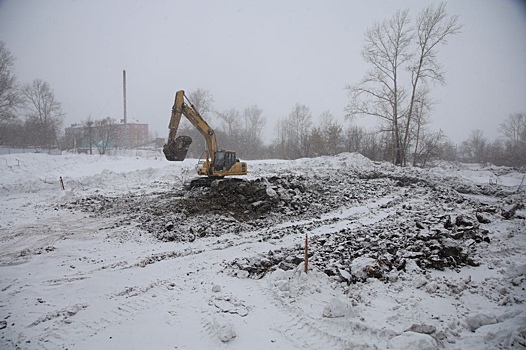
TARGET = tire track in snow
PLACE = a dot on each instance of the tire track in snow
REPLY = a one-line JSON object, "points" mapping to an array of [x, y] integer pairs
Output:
{"points": [[106, 312], [304, 297], [19, 245]]}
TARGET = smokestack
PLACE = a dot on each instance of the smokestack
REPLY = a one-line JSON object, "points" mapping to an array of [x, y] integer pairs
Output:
{"points": [[124, 93]]}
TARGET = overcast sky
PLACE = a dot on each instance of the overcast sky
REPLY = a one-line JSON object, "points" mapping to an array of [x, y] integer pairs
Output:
{"points": [[270, 53]]}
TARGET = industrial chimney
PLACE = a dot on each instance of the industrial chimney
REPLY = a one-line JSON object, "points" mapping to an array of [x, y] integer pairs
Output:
{"points": [[124, 93]]}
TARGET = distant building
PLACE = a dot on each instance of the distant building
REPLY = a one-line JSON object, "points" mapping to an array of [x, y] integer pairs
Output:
{"points": [[137, 135], [103, 136]]}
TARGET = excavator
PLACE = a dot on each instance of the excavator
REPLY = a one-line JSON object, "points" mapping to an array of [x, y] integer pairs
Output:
{"points": [[217, 163]]}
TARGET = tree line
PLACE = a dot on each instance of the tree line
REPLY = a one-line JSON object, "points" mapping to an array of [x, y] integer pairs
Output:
{"points": [[301, 135], [30, 116], [94, 135]]}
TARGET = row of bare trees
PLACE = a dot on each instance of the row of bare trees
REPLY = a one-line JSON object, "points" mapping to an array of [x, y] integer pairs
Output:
{"points": [[300, 135], [509, 149], [329, 137], [91, 135], [30, 116]]}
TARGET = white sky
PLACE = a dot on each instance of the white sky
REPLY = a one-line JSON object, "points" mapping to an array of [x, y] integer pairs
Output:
{"points": [[270, 53]]}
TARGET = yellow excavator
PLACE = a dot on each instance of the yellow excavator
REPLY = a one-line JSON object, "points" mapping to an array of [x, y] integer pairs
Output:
{"points": [[217, 163]]}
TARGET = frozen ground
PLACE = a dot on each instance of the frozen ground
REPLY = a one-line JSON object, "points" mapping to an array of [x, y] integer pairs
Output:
{"points": [[124, 258]]}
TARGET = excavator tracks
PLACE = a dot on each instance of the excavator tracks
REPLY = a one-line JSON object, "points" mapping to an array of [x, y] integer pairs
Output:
{"points": [[210, 181]]}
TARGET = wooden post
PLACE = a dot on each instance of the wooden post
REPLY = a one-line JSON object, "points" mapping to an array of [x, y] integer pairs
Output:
{"points": [[306, 263], [62, 183]]}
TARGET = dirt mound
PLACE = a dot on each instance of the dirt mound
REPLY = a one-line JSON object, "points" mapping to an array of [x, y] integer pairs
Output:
{"points": [[243, 200], [225, 207]]}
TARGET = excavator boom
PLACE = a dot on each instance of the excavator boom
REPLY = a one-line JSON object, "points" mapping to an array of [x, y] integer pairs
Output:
{"points": [[176, 148]]}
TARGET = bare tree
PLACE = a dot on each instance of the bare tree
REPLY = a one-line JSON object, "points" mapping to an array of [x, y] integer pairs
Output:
{"points": [[10, 98], [318, 142], [514, 129], [232, 127], [433, 27], [420, 119], [332, 132], [299, 123], [354, 138], [105, 134], [252, 135], [380, 93], [448, 151], [280, 142], [44, 113], [496, 153], [474, 149], [294, 134], [202, 100], [430, 148], [393, 48]]}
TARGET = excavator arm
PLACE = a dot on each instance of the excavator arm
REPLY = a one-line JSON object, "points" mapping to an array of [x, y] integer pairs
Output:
{"points": [[176, 148]]}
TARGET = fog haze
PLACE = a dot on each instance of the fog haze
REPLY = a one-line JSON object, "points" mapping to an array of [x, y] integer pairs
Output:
{"points": [[270, 53]]}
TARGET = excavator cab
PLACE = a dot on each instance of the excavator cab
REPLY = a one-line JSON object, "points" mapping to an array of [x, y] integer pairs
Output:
{"points": [[224, 160]]}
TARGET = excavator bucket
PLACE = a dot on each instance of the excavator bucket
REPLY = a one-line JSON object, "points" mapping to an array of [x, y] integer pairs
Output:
{"points": [[175, 150]]}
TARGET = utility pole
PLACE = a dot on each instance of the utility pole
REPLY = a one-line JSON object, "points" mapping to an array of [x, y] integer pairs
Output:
{"points": [[124, 93]]}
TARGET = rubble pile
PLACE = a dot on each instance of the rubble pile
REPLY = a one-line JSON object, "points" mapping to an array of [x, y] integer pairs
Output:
{"points": [[232, 206], [390, 245], [427, 222], [431, 226]]}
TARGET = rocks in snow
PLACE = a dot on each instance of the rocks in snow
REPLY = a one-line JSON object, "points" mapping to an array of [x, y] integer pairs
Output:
{"points": [[476, 321], [463, 220], [482, 218], [419, 282], [230, 304], [422, 328], [375, 251], [509, 211], [338, 308], [242, 274], [365, 267], [413, 341], [425, 226], [225, 331], [457, 287]]}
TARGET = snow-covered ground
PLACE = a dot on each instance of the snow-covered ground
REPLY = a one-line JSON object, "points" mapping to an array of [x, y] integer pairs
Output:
{"points": [[124, 258]]}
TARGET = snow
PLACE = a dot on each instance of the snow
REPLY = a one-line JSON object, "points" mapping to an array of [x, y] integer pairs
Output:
{"points": [[79, 279]]}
